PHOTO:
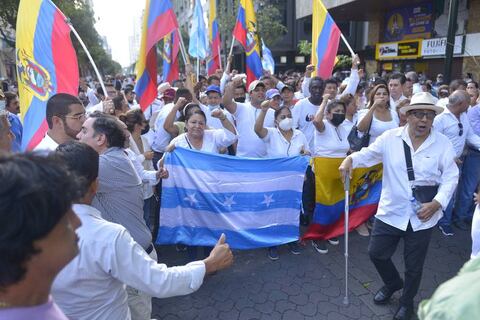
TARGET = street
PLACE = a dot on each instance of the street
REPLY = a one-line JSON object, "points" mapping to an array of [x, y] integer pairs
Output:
{"points": [[306, 286]]}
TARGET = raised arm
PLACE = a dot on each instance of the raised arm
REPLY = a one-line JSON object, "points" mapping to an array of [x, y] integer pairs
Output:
{"points": [[259, 128], [169, 125], [318, 120], [354, 78], [228, 101], [189, 84], [219, 114], [306, 80], [367, 119]]}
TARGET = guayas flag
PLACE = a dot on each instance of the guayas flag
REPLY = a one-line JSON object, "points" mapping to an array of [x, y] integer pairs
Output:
{"points": [[159, 20], [171, 47], [46, 64], [214, 38], [329, 215], [245, 32], [325, 40]]}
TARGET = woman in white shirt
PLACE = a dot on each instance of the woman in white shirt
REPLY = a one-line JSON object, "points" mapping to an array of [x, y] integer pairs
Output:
{"points": [[378, 117], [281, 141], [198, 138]]}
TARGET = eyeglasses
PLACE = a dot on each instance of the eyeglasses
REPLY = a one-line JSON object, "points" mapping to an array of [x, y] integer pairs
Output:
{"points": [[420, 114], [77, 116], [460, 129]]}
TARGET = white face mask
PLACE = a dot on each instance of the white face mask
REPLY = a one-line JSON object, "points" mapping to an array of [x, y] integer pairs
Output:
{"points": [[213, 107], [286, 124], [2, 104]]}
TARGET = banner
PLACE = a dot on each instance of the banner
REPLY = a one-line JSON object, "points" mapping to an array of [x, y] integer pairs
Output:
{"points": [[46, 64], [409, 22], [329, 215], [255, 202], [408, 49]]}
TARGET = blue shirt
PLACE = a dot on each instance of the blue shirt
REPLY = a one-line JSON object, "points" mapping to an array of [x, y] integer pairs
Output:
{"points": [[17, 129], [474, 117]]}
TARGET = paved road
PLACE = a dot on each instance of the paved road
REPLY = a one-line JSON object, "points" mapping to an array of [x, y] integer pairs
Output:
{"points": [[307, 286]]}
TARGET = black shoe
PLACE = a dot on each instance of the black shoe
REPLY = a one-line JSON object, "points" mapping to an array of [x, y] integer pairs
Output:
{"points": [[403, 313], [461, 225], [384, 294]]}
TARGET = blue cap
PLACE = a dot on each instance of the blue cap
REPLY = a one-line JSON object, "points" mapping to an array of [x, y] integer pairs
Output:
{"points": [[271, 93], [213, 88]]}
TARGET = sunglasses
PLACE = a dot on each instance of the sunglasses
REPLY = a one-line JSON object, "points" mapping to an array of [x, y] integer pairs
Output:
{"points": [[460, 129], [430, 115]]}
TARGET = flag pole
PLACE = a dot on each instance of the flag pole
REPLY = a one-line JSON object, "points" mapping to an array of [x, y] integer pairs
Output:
{"points": [[347, 44], [198, 68], [186, 60], [67, 20]]}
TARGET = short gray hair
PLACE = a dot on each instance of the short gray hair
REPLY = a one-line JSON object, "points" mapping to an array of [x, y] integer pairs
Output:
{"points": [[457, 97]]}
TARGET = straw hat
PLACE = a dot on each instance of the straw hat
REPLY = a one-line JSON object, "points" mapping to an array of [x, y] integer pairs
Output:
{"points": [[422, 101]]}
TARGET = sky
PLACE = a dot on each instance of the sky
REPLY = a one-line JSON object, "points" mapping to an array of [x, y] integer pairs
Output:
{"points": [[115, 20]]}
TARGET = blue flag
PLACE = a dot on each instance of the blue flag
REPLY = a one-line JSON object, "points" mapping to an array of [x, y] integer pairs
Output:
{"points": [[255, 202], [198, 46], [267, 59]]}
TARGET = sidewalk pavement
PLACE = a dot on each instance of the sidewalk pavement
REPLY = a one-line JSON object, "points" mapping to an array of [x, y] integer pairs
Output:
{"points": [[306, 286]]}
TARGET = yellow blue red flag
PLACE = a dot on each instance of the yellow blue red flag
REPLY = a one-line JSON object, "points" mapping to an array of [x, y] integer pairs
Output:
{"points": [[159, 20], [325, 40], [329, 215], [46, 64], [245, 32], [214, 38], [171, 47]]}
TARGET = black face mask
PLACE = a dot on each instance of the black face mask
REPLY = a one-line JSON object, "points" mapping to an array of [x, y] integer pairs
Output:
{"points": [[241, 99], [337, 119], [146, 129]]}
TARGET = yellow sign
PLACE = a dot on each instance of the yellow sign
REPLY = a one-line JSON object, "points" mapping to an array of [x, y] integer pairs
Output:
{"points": [[408, 49]]}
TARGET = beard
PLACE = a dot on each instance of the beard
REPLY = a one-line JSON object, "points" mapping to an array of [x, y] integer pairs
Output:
{"points": [[69, 131]]}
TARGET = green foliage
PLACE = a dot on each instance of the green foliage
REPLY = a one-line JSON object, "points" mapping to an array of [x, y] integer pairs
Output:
{"points": [[304, 47], [82, 18], [269, 18], [343, 62]]}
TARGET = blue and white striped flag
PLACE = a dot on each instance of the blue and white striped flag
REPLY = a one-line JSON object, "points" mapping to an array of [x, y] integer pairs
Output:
{"points": [[198, 46], [255, 202], [267, 59]]}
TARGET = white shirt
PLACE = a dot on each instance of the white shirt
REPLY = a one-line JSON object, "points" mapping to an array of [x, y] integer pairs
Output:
{"points": [[332, 142], [303, 114], [352, 83], [447, 124], [393, 103], [433, 164], [144, 167], [349, 124], [212, 122], [162, 138], [213, 140], [46, 145], [378, 127], [277, 146], [92, 286], [476, 233], [249, 144]]}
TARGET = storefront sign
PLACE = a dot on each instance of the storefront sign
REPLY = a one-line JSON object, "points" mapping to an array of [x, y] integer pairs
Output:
{"points": [[409, 49], [409, 22], [438, 46]]}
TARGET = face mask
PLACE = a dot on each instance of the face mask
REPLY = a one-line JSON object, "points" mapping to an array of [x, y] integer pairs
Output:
{"points": [[213, 107], [2, 104], [286, 124], [337, 119], [241, 99], [146, 129]]}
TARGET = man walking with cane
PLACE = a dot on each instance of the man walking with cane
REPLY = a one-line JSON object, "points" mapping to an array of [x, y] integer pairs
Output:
{"points": [[419, 178]]}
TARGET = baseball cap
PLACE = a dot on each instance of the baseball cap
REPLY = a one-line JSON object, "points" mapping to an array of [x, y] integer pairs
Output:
{"points": [[289, 87], [272, 93], [254, 85], [169, 93], [213, 88]]}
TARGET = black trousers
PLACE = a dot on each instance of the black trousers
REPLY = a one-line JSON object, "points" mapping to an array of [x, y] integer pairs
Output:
{"points": [[308, 194], [382, 246]]}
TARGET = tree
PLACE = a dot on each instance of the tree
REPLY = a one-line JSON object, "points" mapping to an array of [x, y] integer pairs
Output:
{"points": [[82, 18], [305, 47], [269, 17]]}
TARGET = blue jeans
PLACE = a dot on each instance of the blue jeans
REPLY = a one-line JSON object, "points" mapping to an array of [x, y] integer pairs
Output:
{"points": [[470, 178], [446, 220]]}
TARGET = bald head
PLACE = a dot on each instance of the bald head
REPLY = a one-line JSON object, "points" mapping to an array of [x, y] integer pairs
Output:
{"points": [[458, 102]]}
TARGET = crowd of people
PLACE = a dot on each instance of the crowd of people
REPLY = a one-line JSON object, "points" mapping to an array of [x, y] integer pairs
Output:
{"points": [[101, 166]]}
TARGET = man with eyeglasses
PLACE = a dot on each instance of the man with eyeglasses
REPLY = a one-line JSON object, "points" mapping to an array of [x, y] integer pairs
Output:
{"points": [[411, 201], [65, 116], [455, 125]]}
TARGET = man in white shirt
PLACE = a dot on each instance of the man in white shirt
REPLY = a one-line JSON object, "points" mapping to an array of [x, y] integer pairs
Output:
{"points": [[396, 85], [245, 114], [214, 97], [65, 115], [92, 286], [455, 125], [400, 215]]}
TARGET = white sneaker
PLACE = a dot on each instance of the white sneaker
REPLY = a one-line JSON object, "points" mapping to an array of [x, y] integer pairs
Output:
{"points": [[363, 230]]}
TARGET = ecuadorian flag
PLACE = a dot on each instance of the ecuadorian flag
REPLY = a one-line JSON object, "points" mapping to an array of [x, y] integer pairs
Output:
{"points": [[46, 64], [214, 38], [159, 20], [171, 46], [329, 216], [325, 41], [245, 32]]}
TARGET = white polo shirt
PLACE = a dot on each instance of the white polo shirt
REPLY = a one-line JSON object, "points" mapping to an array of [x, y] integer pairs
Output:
{"points": [[213, 140], [278, 146], [46, 145], [303, 114], [249, 144], [161, 137], [212, 122], [332, 142]]}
